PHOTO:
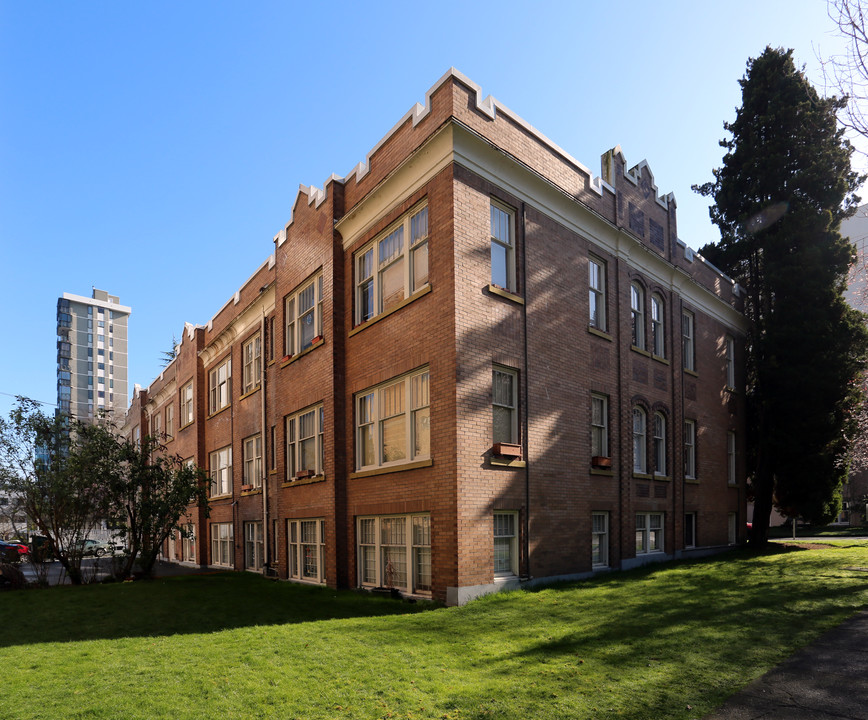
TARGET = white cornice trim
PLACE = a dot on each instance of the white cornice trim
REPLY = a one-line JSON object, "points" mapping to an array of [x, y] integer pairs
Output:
{"points": [[240, 325], [97, 303]]}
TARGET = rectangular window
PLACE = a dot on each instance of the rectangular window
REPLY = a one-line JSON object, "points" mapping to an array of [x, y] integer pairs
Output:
{"points": [[599, 426], [649, 533], [272, 448], [188, 543], [157, 426], [252, 370], [732, 528], [505, 544], [253, 546], [306, 546], [600, 539], [730, 458], [303, 313], [637, 316], [504, 405], [170, 420], [222, 544], [219, 388], [395, 551], [639, 428], [304, 444], [690, 449], [659, 444], [187, 404], [690, 529], [253, 461], [220, 466], [269, 339], [658, 334], [687, 340], [597, 292], [730, 362], [393, 422], [393, 266], [502, 247]]}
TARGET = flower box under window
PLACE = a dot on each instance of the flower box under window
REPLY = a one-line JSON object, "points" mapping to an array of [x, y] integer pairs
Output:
{"points": [[601, 462], [503, 449], [302, 474], [246, 488]]}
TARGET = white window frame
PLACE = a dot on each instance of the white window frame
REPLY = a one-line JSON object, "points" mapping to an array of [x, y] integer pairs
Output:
{"points": [[505, 532], [688, 340], [640, 449], [731, 477], [170, 421], [294, 340], [408, 237], [637, 315], [600, 539], [314, 418], [157, 425], [658, 326], [220, 386], [188, 543], [690, 449], [597, 292], [377, 414], [503, 246], [252, 460], [254, 549], [375, 543], [729, 343], [305, 542], [649, 533], [690, 530], [500, 404], [251, 356], [222, 544], [187, 410], [660, 465], [599, 425], [220, 472]]}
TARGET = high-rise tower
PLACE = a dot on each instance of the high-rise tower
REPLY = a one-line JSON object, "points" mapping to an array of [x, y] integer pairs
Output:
{"points": [[91, 355]]}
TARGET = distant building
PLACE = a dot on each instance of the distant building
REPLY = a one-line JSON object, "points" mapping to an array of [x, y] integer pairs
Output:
{"points": [[91, 355]]}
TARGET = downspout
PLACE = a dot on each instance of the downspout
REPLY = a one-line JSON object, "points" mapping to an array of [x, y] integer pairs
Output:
{"points": [[526, 394], [264, 465], [624, 466]]}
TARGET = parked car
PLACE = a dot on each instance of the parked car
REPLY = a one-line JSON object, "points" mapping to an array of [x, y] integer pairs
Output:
{"points": [[95, 547], [13, 551]]}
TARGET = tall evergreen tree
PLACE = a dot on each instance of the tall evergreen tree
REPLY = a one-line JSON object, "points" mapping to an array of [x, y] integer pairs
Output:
{"points": [[780, 196]]}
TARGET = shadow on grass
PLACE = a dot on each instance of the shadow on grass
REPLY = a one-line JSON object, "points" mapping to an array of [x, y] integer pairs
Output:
{"points": [[178, 605]]}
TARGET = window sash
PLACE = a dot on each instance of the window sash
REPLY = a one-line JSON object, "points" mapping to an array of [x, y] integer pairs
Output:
{"points": [[505, 543], [687, 348], [502, 247], [219, 387], [393, 266], [504, 405], [222, 544], [220, 466], [252, 370], [730, 362], [690, 529], [187, 404], [597, 293], [637, 317], [303, 315], [730, 458], [689, 449], [305, 442], [395, 551], [649, 533], [393, 422], [600, 539], [639, 464], [599, 426], [306, 550], [659, 444], [253, 545], [253, 461]]}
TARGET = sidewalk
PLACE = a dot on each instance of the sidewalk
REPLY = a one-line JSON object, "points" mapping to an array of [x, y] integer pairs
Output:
{"points": [[827, 680]]}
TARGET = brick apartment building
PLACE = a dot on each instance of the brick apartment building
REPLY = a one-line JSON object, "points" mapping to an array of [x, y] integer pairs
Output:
{"points": [[468, 364]]}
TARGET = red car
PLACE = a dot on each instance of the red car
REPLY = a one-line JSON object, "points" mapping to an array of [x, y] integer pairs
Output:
{"points": [[8, 548]]}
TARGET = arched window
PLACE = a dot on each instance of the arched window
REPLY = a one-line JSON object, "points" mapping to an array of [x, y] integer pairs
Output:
{"points": [[659, 444], [639, 430], [658, 345], [637, 315]]}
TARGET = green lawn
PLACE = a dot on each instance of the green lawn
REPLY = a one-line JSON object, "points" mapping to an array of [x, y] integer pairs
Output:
{"points": [[672, 641]]}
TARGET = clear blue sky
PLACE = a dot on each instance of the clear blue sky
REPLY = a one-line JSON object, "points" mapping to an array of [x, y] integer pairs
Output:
{"points": [[153, 149]]}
